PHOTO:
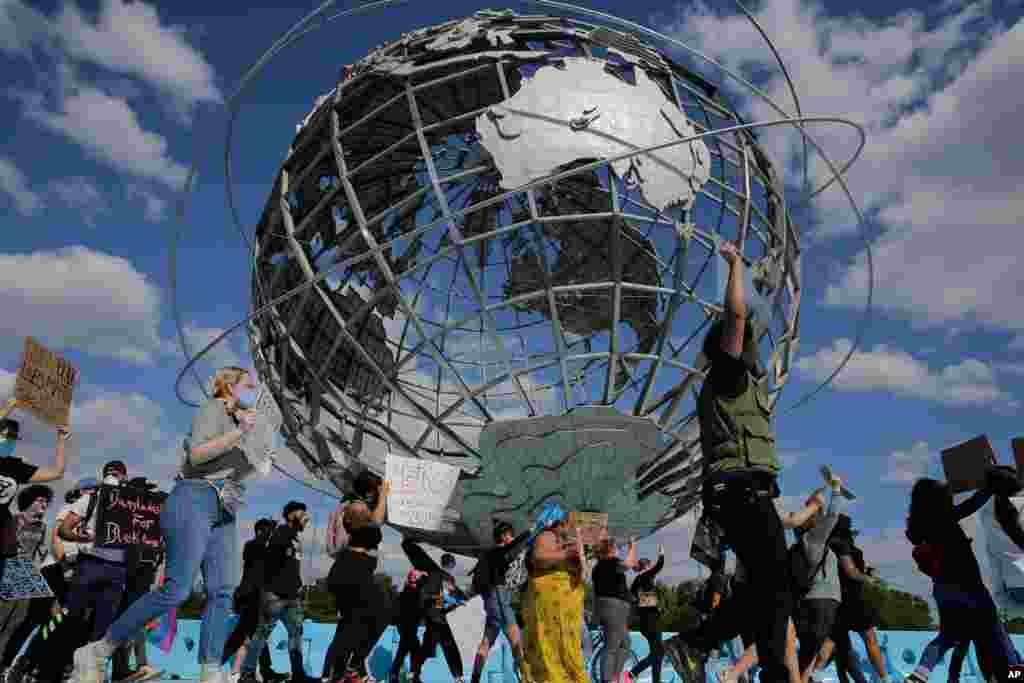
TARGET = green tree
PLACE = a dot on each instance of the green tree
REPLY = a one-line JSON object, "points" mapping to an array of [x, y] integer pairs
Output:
{"points": [[897, 609]]}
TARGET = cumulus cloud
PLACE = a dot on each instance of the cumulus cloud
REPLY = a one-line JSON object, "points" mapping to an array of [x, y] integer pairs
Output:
{"points": [[154, 207], [935, 90], [83, 299], [81, 195], [14, 184], [970, 382]]}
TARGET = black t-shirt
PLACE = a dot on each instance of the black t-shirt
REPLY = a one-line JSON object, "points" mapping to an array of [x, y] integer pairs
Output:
{"points": [[498, 559], [853, 591], [284, 562], [610, 580], [367, 537], [14, 473], [728, 375], [644, 582]]}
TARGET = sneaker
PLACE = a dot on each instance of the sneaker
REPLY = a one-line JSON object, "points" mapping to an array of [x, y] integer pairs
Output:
{"points": [[627, 677], [916, 677], [146, 673], [90, 661], [247, 677]]}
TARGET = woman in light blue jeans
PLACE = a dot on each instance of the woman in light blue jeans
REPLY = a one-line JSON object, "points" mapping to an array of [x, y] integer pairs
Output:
{"points": [[198, 524]]}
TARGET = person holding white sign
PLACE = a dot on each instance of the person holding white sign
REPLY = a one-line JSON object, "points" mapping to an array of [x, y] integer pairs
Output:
{"points": [[200, 529]]}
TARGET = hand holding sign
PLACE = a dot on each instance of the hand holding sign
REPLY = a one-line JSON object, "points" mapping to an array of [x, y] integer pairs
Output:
{"points": [[424, 488]]}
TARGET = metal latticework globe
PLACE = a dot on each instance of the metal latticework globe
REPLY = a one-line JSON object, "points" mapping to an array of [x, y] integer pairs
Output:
{"points": [[487, 248]]}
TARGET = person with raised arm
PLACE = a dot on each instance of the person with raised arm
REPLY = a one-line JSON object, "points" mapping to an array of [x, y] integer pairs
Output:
{"points": [[740, 471], [614, 605], [645, 596], [199, 523], [15, 473]]}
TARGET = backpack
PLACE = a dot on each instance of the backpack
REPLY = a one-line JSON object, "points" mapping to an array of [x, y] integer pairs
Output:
{"points": [[800, 569]]}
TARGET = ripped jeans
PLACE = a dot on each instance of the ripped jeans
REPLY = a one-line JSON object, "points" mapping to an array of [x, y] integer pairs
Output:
{"points": [[272, 609]]}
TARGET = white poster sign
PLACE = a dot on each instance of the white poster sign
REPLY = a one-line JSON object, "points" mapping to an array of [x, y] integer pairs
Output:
{"points": [[260, 444], [420, 491]]}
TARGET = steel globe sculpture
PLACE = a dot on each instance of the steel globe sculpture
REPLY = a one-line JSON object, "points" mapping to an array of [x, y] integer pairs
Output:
{"points": [[506, 276]]}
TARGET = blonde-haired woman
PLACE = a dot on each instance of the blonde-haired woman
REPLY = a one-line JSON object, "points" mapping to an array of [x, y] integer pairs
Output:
{"points": [[198, 523]]}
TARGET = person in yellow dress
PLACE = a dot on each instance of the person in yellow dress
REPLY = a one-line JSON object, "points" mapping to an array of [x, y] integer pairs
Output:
{"points": [[553, 605]]}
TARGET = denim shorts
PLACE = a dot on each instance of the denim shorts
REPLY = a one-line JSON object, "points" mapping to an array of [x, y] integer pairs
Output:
{"points": [[498, 608]]}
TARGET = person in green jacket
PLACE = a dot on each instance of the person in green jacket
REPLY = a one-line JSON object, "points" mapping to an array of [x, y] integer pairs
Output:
{"points": [[740, 468]]}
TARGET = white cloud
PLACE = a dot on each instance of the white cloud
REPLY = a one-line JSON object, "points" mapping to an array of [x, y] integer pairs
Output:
{"points": [[936, 92], [970, 382], [129, 38], [14, 184], [76, 298], [905, 467], [82, 195], [109, 130], [154, 207], [1017, 343]]}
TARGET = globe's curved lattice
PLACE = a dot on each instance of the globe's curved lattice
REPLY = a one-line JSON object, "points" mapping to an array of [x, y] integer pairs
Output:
{"points": [[468, 289]]}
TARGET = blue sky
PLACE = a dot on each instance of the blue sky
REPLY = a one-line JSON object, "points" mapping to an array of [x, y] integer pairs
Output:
{"points": [[107, 104]]}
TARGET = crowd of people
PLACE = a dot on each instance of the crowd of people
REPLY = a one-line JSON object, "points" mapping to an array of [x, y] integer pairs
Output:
{"points": [[787, 610]]}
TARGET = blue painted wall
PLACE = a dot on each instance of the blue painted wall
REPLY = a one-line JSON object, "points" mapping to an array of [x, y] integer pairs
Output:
{"points": [[901, 649]]}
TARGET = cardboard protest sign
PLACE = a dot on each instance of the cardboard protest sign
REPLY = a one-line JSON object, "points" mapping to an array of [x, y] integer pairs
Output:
{"points": [[127, 516], [260, 444], [593, 526], [965, 463], [45, 383], [22, 581], [420, 491]]}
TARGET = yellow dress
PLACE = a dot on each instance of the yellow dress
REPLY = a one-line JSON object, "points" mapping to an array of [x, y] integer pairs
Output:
{"points": [[552, 634]]}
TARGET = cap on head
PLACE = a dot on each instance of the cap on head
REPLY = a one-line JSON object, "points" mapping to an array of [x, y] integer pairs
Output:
{"points": [[292, 507], [30, 494], [115, 467], [263, 525], [447, 561]]}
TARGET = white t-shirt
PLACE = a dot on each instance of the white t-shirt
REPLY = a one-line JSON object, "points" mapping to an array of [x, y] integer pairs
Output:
{"points": [[81, 507], [70, 547]]}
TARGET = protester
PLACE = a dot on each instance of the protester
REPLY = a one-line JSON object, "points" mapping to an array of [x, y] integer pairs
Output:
{"points": [[199, 526], [18, 615], [553, 604], [60, 574], [614, 605], [437, 593], [409, 618], [365, 607], [280, 600], [143, 564], [366, 502], [15, 472], [855, 613], [740, 467], [99, 582], [645, 597], [816, 608], [943, 552], [247, 601], [489, 582]]}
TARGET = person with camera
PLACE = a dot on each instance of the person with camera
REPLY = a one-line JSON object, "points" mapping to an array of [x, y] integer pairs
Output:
{"points": [[281, 597], [15, 473], [438, 595]]}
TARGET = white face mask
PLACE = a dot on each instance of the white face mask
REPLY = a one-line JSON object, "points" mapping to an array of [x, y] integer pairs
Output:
{"points": [[111, 480]]}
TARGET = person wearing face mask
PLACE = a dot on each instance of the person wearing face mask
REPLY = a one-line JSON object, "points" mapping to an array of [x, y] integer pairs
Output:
{"points": [[98, 584], [18, 615], [15, 473], [200, 530], [281, 599]]}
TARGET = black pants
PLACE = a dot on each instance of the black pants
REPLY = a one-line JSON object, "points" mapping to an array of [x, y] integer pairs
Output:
{"points": [[813, 620], [438, 633], [409, 619], [38, 613], [847, 665], [752, 528], [648, 622], [365, 607], [248, 620]]}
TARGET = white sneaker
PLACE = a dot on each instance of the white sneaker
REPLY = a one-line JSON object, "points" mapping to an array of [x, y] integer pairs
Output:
{"points": [[91, 662]]}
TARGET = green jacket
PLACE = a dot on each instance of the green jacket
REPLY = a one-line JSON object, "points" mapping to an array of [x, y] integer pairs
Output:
{"points": [[736, 433]]}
